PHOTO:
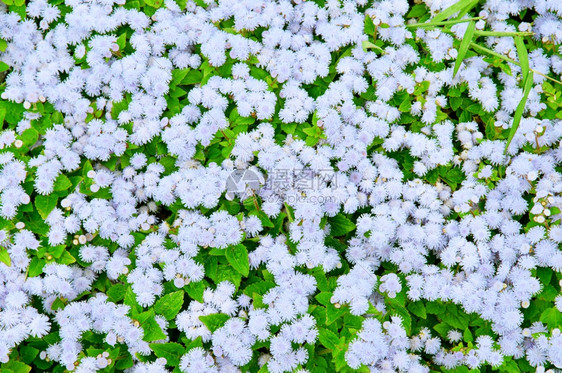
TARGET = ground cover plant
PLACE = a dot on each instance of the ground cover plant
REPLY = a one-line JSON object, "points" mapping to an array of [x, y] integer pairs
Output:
{"points": [[277, 186]]}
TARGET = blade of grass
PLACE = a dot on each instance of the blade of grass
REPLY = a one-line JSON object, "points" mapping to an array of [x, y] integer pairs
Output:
{"points": [[519, 111], [465, 43], [494, 53], [523, 56], [466, 9], [460, 5], [507, 59], [503, 33], [443, 23]]}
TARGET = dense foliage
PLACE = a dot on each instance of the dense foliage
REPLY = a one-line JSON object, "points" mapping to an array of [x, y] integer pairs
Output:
{"points": [[274, 186]]}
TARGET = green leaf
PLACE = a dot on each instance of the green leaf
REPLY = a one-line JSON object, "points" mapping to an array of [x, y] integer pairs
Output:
{"points": [[324, 297], [3, 66], [123, 364], [152, 331], [369, 25], [523, 56], [58, 304], [406, 105], [240, 121], [368, 45], [117, 108], [311, 141], [169, 305], [28, 353], [519, 111], [3, 45], [506, 68], [467, 335], [62, 183], [172, 352], [3, 112], [332, 312], [5, 257], [340, 225], [455, 102], [435, 308], [455, 174], [237, 256], [401, 311], [549, 293], [339, 361], [57, 251], [288, 128], [509, 366], [117, 292], [328, 338], [313, 131], [122, 41], [442, 329], [35, 267], [228, 273], [418, 309], [45, 204], [130, 299], [416, 11], [132, 5], [460, 5], [16, 367], [214, 321], [154, 3], [177, 92], [545, 275], [66, 258], [465, 43], [455, 317], [551, 317], [195, 290], [192, 77], [181, 3], [29, 136], [260, 288]]}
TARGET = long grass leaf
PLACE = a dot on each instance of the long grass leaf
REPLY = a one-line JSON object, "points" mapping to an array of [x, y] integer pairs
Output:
{"points": [[460, 5], [494, 53], [443, 23], [507, 59], [520, 108], [466, 9], [503, 33], [523, 56], [465, 43]]}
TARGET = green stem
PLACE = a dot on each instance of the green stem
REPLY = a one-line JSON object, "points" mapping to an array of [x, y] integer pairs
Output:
{"points": [[443, 23], [502, 33], [493, 53]]}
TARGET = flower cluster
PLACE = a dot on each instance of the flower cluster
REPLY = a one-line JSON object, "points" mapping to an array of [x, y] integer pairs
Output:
{"points": [[281, 186]]}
